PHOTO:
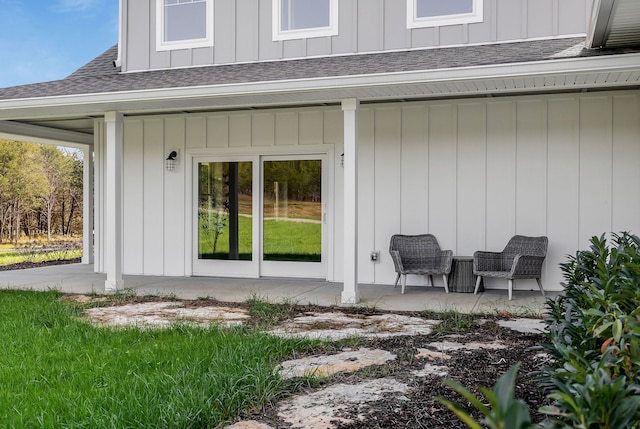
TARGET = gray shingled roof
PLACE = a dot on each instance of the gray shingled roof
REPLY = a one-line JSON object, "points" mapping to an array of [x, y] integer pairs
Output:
{"points": [[101, 76]]}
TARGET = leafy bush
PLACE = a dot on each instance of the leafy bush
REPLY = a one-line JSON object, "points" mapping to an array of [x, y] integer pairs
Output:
{"points": [[593, 334], [594, 338]]}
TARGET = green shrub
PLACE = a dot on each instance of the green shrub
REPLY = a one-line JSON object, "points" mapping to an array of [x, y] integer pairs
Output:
{"points": [[594, 338], [593, 334]]}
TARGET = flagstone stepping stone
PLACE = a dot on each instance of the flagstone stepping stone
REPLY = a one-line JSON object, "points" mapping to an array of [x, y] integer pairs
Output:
{"points": [[317, 410], [163, 314], [336, 326], [325, 366], [431, 355], [524, 325], [447, 346]]}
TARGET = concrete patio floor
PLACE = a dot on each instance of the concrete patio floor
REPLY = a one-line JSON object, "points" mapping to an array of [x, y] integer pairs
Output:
{"points": [[80, 279]]}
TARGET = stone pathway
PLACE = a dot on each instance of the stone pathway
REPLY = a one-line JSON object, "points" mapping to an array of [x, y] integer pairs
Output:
{"points": [[321, 408]]}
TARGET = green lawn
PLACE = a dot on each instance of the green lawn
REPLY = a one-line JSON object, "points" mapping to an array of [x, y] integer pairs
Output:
{"points": [[14, 257], [59, 371]]}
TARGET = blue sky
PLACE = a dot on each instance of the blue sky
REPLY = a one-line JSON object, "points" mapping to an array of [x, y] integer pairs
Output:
{"points": [[43, 40]]}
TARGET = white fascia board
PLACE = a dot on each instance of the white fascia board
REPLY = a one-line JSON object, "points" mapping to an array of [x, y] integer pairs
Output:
{"points": [[140, 100], [599, 22], [12, 130]]}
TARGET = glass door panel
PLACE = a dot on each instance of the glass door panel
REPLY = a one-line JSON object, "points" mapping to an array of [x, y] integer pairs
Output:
{"points": [[293, 217], [225, 211], [292, 211]]}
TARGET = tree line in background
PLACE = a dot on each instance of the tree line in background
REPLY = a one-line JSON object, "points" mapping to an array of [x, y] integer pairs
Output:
{"points": [[40, 191]]}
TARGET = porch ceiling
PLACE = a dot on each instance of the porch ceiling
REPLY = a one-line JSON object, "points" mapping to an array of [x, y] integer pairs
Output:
{"points": [[80, 125], [73, 132]]}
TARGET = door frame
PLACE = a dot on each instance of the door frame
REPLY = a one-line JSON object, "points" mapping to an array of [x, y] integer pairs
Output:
{"points": [[193, 156]]}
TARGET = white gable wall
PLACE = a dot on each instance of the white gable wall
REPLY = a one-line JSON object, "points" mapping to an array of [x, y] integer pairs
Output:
{"points": [[472, 172], [243, 31]]}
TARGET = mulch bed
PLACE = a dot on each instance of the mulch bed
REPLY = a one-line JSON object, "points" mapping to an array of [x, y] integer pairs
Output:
{"points": [[469, 368], [420, 407]]}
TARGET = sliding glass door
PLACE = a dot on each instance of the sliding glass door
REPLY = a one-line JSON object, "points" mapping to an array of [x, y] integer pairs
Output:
{"points": [[260, 216]]}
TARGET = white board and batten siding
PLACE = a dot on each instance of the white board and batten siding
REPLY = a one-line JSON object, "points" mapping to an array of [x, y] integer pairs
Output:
{"points": [[476, 172], [155, 228], [471, 172], [243, 31]]}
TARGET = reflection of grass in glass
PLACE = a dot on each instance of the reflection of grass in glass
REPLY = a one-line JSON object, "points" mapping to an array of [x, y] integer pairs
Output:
{"points": [[283, 241], [292, 241], [222, 247]]}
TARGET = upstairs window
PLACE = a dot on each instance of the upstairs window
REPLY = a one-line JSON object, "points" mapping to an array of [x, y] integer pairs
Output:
{"points": [[299, 19], [184, 24], [431, 13]]}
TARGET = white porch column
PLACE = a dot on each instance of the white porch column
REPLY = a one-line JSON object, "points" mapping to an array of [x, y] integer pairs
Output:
{"points": [[87, 206], [350, 294], [113, 201]]}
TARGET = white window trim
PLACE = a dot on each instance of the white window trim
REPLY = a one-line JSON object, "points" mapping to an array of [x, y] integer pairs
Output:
{"points": [[278, 34], [161, 45], [461, 18]]}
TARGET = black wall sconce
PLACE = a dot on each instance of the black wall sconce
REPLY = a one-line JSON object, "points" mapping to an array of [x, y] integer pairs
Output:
{"points": [[170, 162]]}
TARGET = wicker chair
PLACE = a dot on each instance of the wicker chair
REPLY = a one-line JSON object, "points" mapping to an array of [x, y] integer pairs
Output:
{"points": [[522, 258], [421, 255]]}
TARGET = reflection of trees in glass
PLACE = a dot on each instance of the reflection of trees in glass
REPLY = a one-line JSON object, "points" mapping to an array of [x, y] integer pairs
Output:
{"points": [[292, 229], [212, 226], [245, 178], [221, 206], [213, 205], [302, 176]]}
